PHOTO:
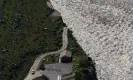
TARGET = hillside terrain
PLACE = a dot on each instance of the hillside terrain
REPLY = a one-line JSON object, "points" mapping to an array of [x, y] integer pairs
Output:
{"points": [[27, 30], [104, 30]]}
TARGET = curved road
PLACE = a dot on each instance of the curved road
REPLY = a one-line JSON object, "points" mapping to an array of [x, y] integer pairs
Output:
{"points": [[39, 59]]}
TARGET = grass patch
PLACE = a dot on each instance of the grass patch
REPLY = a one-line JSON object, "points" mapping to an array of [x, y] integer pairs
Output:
{"points": [[52, 59]]}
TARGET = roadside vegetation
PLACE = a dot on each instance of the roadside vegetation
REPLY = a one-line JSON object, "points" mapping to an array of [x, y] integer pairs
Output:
{"points": [[52, 59]]}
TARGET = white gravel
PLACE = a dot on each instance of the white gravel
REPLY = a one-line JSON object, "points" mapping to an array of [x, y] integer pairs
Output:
{"points": [[104, 29]]}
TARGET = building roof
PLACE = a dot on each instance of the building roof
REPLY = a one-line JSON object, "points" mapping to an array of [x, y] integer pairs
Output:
{"points": [[66, 53]]}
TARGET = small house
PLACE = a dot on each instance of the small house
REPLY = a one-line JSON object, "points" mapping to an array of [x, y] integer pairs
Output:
{"points": [[66, 57]]}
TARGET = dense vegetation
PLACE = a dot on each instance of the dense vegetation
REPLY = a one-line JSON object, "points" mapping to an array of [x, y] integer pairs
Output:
{"points": [[85, 70], [83, 66], [26, 30]]}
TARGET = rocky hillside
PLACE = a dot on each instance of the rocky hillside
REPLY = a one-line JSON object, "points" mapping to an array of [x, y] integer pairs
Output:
{"points": [[104, 29]]}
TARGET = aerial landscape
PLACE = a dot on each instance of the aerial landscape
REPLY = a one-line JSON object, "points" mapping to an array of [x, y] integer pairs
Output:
{"points": [[66, 39], [28, 29]]}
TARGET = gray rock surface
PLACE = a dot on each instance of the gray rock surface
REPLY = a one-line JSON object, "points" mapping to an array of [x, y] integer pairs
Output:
{"points": [[104, 29]]}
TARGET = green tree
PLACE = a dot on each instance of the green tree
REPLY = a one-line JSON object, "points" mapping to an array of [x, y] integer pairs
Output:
{"points": [[85, 69]]}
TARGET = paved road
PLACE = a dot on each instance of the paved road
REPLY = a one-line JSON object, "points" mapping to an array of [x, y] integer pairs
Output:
{"points": [[38, 61]]}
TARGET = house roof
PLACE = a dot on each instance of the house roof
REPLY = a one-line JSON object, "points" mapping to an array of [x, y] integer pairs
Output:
{"points": [[66, 53]]}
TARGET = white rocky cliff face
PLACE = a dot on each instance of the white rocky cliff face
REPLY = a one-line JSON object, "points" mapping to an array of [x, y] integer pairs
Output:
{"points": [[104, 29]]}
